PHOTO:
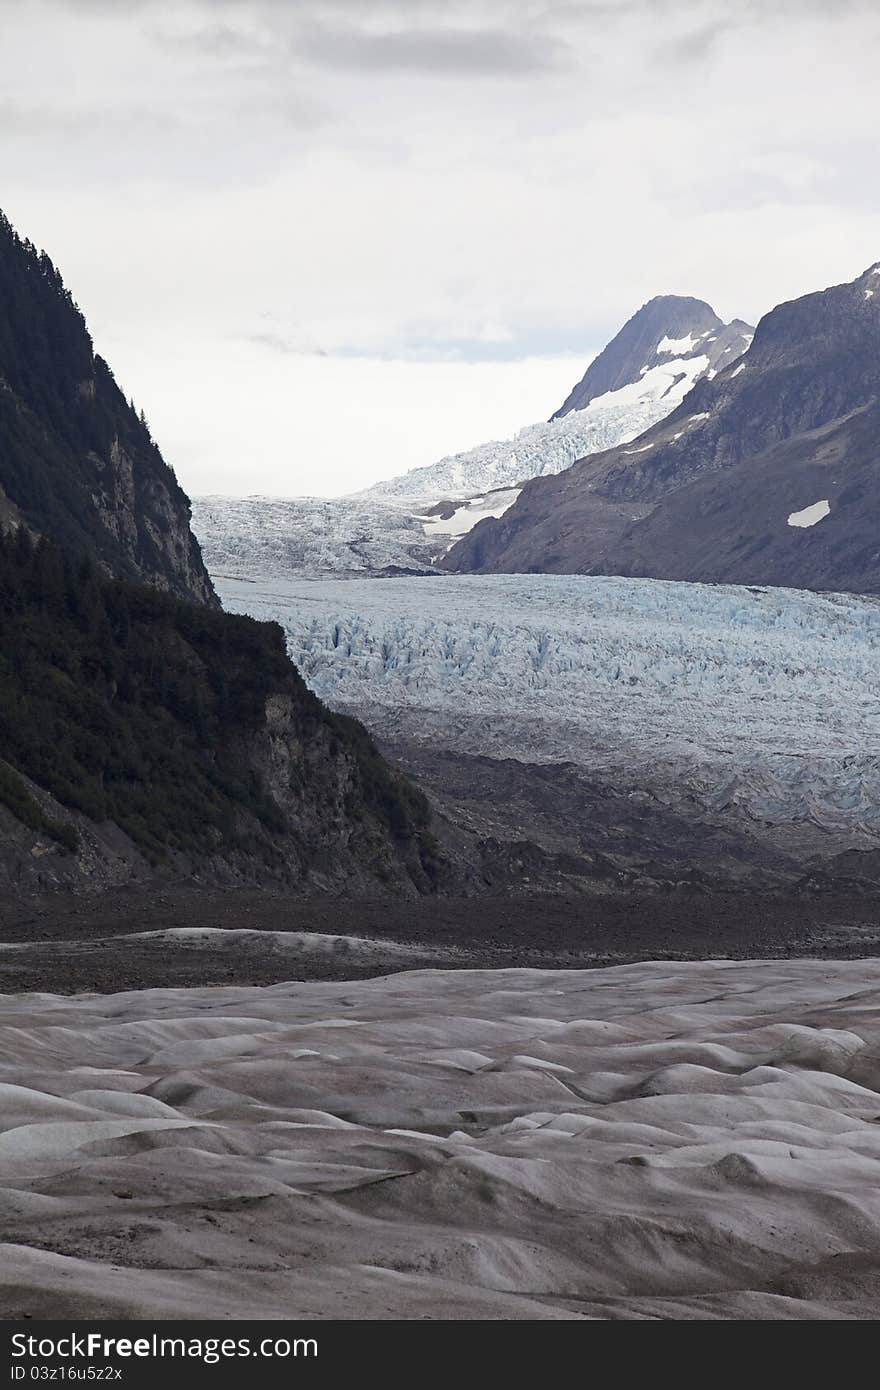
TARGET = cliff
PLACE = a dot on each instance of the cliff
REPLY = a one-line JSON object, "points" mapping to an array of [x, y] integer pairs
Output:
{"points": [[77, 461]]}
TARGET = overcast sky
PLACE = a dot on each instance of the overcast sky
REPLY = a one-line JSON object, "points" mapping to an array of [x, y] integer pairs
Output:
{"points": [[322, 241]]}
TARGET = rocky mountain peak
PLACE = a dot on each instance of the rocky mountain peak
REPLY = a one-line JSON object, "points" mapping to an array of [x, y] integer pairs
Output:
{"points": [[667, 328]]}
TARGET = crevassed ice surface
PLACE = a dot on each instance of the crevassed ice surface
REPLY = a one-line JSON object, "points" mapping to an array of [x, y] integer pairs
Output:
{"points": [[549, 446], [767, 697], [312, 535]]}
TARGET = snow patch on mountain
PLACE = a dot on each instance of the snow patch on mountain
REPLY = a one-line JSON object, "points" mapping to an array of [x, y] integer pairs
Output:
{"points": [[678, 345], [461, 518], [810, 515]]}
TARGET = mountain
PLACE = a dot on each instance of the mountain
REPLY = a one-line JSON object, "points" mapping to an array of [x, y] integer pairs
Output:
{"points": [[671, 332], [140, 734], [144, 732], [406, 524], [765, 473], [643, 373], [78, 462]]}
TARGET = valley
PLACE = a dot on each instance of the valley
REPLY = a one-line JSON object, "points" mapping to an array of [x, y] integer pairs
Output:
{"points": [[457, 899], [407, 524]]}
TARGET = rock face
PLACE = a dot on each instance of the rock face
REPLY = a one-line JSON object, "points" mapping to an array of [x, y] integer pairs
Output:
{"points": [[668, 326], [143, 732], [717, 490], [141, 736], [77, 461]]}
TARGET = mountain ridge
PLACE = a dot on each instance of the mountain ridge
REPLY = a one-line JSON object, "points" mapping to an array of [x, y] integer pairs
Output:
{"points": [[78, 463]]}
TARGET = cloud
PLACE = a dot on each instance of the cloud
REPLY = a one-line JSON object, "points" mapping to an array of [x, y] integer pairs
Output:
{"points": [[427, 180], [697, 45], [36, 121], [440, 52], [283, 343]]}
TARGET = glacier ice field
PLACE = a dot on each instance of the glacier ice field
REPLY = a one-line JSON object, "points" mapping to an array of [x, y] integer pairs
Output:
{"points": [[767, 697]]}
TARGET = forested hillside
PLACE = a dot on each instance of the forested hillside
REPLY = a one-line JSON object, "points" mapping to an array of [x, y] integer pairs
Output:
{"points": [[188, 728], [77, 461], [142, 729]]}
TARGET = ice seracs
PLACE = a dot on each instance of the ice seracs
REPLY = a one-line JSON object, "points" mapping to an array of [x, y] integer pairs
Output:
{"points": [[764, 697], [538, 450], [309, 535], [407, 522]]}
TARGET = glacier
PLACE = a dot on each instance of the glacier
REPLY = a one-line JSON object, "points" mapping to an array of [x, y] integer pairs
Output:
{"points": [[765, 702], [668, 1139], [550, 446], [396, 526], [406, 524], [311, 535]]}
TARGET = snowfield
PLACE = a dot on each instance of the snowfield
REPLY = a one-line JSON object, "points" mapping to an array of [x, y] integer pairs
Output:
{"points": [[466, 515], [764, 699], [811, 515], [664, 1140]]}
